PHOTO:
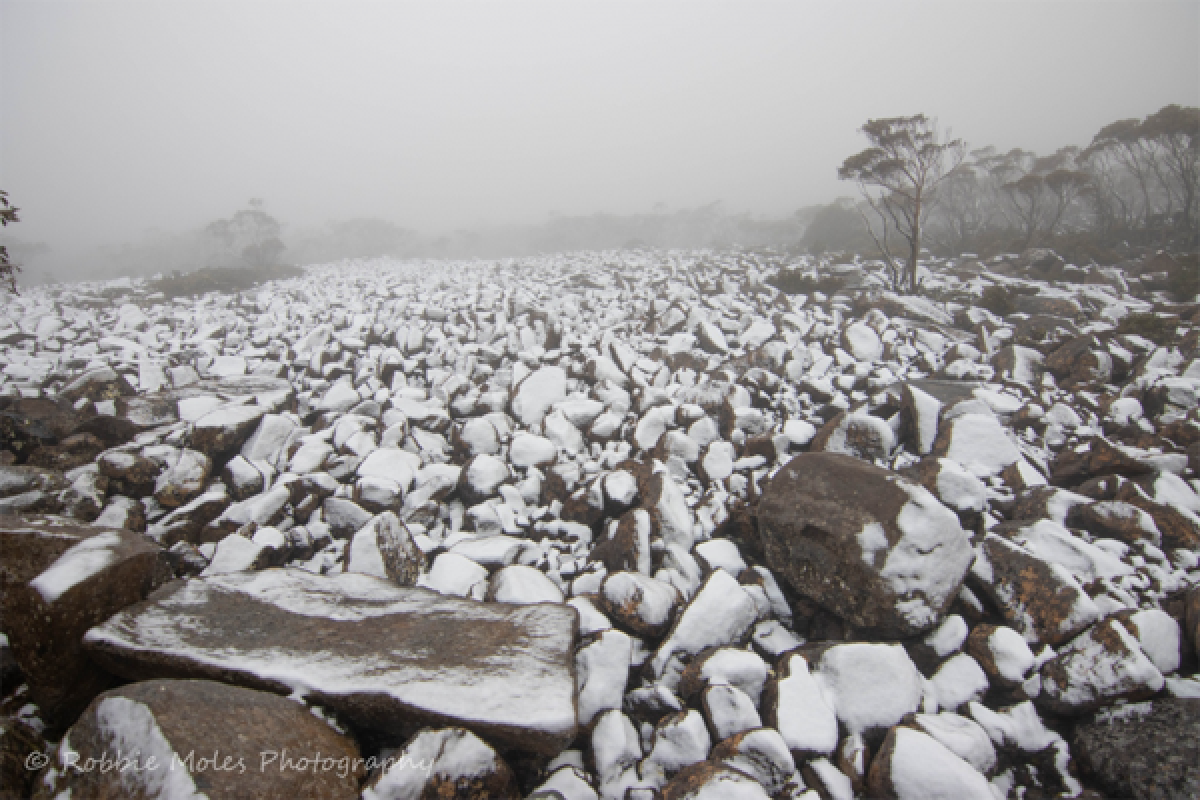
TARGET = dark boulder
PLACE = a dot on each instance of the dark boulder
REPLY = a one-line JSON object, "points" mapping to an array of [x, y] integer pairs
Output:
{"points": [[863, 542]]}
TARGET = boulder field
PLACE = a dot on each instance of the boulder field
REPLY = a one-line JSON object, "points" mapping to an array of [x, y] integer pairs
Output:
{"points": [[622, 525]]}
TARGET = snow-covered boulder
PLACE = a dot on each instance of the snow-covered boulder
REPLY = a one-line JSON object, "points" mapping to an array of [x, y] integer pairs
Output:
{"points": [[878, 550]]}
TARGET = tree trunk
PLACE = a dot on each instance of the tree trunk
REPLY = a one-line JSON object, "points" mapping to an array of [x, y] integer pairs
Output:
{"points": [[915, 245]]}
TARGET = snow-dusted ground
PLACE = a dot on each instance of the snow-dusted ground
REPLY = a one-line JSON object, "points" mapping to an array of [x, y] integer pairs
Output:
{"points": [[592, 429]]}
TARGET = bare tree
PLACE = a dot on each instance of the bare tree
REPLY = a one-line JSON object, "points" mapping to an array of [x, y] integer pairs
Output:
{"points": [[8, 270], [968, 204], [1040, 190], [1176, 130], [898, 176]]}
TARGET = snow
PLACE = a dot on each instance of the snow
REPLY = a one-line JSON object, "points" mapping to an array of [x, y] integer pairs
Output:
{"points": [[763, 755], [490, 551], [836, 784], [340, 397], [602, 670], [651, 600], [1095, 674], [729, 710], [453, 574], [1175, 491], [485, 473], [523, 584], [925, 568], [459, 364], [129, 729], [1125, 410], [720, 613], [741, 668], [948, 637], [959, 489], [616, 747], [862, 342], [364, 555], [79, 563], [872, 540], [451, 754], [528, 450], [924, 769], [962, 736], [567, 783], [590, 618], [520, 689], [771, 638], [1158, 634], [980, 444], [803, 713], [867, 428], [672, 514], [799, 432], [1011, 654], [563, 434], [678, 742], [717, 461], [229, 417], [1054, 543], [869, 685], [721, 554], [1018, 727], [535, 395], [958, 681], [235, 553], [1184, 687]]}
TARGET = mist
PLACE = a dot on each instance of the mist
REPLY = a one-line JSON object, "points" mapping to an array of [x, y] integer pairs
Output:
{"points": [[126, 127]]}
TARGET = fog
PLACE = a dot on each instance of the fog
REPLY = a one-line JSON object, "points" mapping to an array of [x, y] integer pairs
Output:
{"points": [[121, 121]]}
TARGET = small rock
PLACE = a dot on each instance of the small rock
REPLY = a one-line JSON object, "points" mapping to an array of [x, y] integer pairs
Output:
{"points": [[449, 763], [1098, 667], [913, 766]]}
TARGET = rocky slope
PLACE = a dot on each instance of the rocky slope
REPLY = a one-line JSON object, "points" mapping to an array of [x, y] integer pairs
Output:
{"points": [[615, 525]]}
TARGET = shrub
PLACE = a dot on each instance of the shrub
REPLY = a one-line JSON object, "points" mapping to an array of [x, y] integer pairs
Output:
{"points": [[798, 281], [998, 300], [1158, 329], [1184, 281]]}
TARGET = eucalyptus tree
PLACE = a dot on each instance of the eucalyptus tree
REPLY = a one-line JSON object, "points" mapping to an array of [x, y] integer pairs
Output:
{"points": [[899, 176]]}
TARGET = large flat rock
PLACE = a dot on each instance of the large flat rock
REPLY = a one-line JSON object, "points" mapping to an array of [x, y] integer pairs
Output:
{"points": [[388, 659]]}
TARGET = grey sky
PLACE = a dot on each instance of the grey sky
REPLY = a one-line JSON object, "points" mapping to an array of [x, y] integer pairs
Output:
{"points": [[117, 117]]}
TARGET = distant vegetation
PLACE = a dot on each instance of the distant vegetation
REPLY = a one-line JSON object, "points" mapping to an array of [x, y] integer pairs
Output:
{"points": [[219, 279], [8, 270], [1133, 187], [1128, 192], [799, 281], [248, 238]]}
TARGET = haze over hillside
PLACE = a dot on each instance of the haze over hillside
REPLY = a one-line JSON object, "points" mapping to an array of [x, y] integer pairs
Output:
{"points": [[479, 127]]}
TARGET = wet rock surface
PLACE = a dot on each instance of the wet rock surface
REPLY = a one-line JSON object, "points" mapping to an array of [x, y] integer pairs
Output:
{"points": [[502, 670], [1143, 750], [610, 525], [173, 738]]}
